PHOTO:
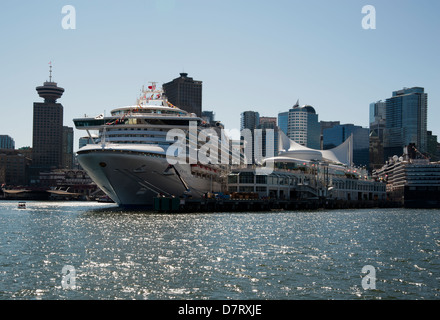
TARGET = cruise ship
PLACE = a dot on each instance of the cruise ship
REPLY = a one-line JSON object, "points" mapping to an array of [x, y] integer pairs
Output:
{"points": [[412, 182], [129, 161]]}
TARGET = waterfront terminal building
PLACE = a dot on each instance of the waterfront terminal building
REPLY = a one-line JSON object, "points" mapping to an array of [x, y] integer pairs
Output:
{"points": [[301, 173]]}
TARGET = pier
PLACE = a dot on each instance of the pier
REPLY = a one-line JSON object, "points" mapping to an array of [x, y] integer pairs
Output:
{"points": [[286, 188], [180, 205]]}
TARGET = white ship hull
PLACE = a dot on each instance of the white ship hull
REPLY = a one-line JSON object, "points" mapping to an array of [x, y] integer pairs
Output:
{"points": [[133, 178]]}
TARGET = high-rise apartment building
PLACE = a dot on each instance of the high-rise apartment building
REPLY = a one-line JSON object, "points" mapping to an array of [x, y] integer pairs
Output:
{"points": [[249, 121], [269, 144], [303, 126], [185, 93], [406, 121]]}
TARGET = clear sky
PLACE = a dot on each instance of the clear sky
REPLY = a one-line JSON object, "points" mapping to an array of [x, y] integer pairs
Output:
{"points": [[250, 55]]}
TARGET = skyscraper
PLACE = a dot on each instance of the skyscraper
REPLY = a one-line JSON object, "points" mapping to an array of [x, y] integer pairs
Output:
{"points": [[47, 136], [68, 159], [406, 121], [269, 146], [303, 126], [250, 121], [377, 130], [185, 93]]}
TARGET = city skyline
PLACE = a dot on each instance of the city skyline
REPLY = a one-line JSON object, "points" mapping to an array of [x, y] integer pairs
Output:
{"points": [[249, 55]]}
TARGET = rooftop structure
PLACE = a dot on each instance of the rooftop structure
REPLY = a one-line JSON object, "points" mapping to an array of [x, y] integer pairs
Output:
{"points": [[49, 91]]}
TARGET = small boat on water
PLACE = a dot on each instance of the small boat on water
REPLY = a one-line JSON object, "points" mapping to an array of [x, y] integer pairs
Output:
{"points": [[22, 205]]}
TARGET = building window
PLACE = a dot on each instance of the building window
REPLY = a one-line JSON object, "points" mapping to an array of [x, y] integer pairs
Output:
{"points": [[261, 179], [246, 177], [233, 178]]}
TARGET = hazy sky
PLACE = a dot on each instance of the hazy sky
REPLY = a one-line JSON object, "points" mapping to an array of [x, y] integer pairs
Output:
{"points": [[250, 55]]}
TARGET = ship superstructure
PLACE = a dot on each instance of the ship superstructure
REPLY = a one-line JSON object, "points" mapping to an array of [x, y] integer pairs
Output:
{"points": [[415, 183]]}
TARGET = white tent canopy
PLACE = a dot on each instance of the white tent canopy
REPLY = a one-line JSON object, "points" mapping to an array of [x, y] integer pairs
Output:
{"points": [[290, 150]]}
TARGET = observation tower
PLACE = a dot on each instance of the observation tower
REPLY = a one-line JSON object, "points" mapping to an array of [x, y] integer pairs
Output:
{"points": [[49, 91]]}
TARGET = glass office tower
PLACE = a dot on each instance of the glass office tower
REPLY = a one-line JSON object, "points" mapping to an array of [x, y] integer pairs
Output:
{"points": [[406, 121], [283, 120], [336, 135]]}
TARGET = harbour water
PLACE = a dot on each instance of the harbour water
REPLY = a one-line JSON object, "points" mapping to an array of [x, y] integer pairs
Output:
{"points": [[88, 250]]}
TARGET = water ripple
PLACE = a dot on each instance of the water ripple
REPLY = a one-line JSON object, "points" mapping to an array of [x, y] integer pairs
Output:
{"points": [[275, 255]]}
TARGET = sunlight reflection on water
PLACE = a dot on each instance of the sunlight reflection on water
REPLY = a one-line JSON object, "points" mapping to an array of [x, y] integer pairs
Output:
{"points": [[120, 254]]}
